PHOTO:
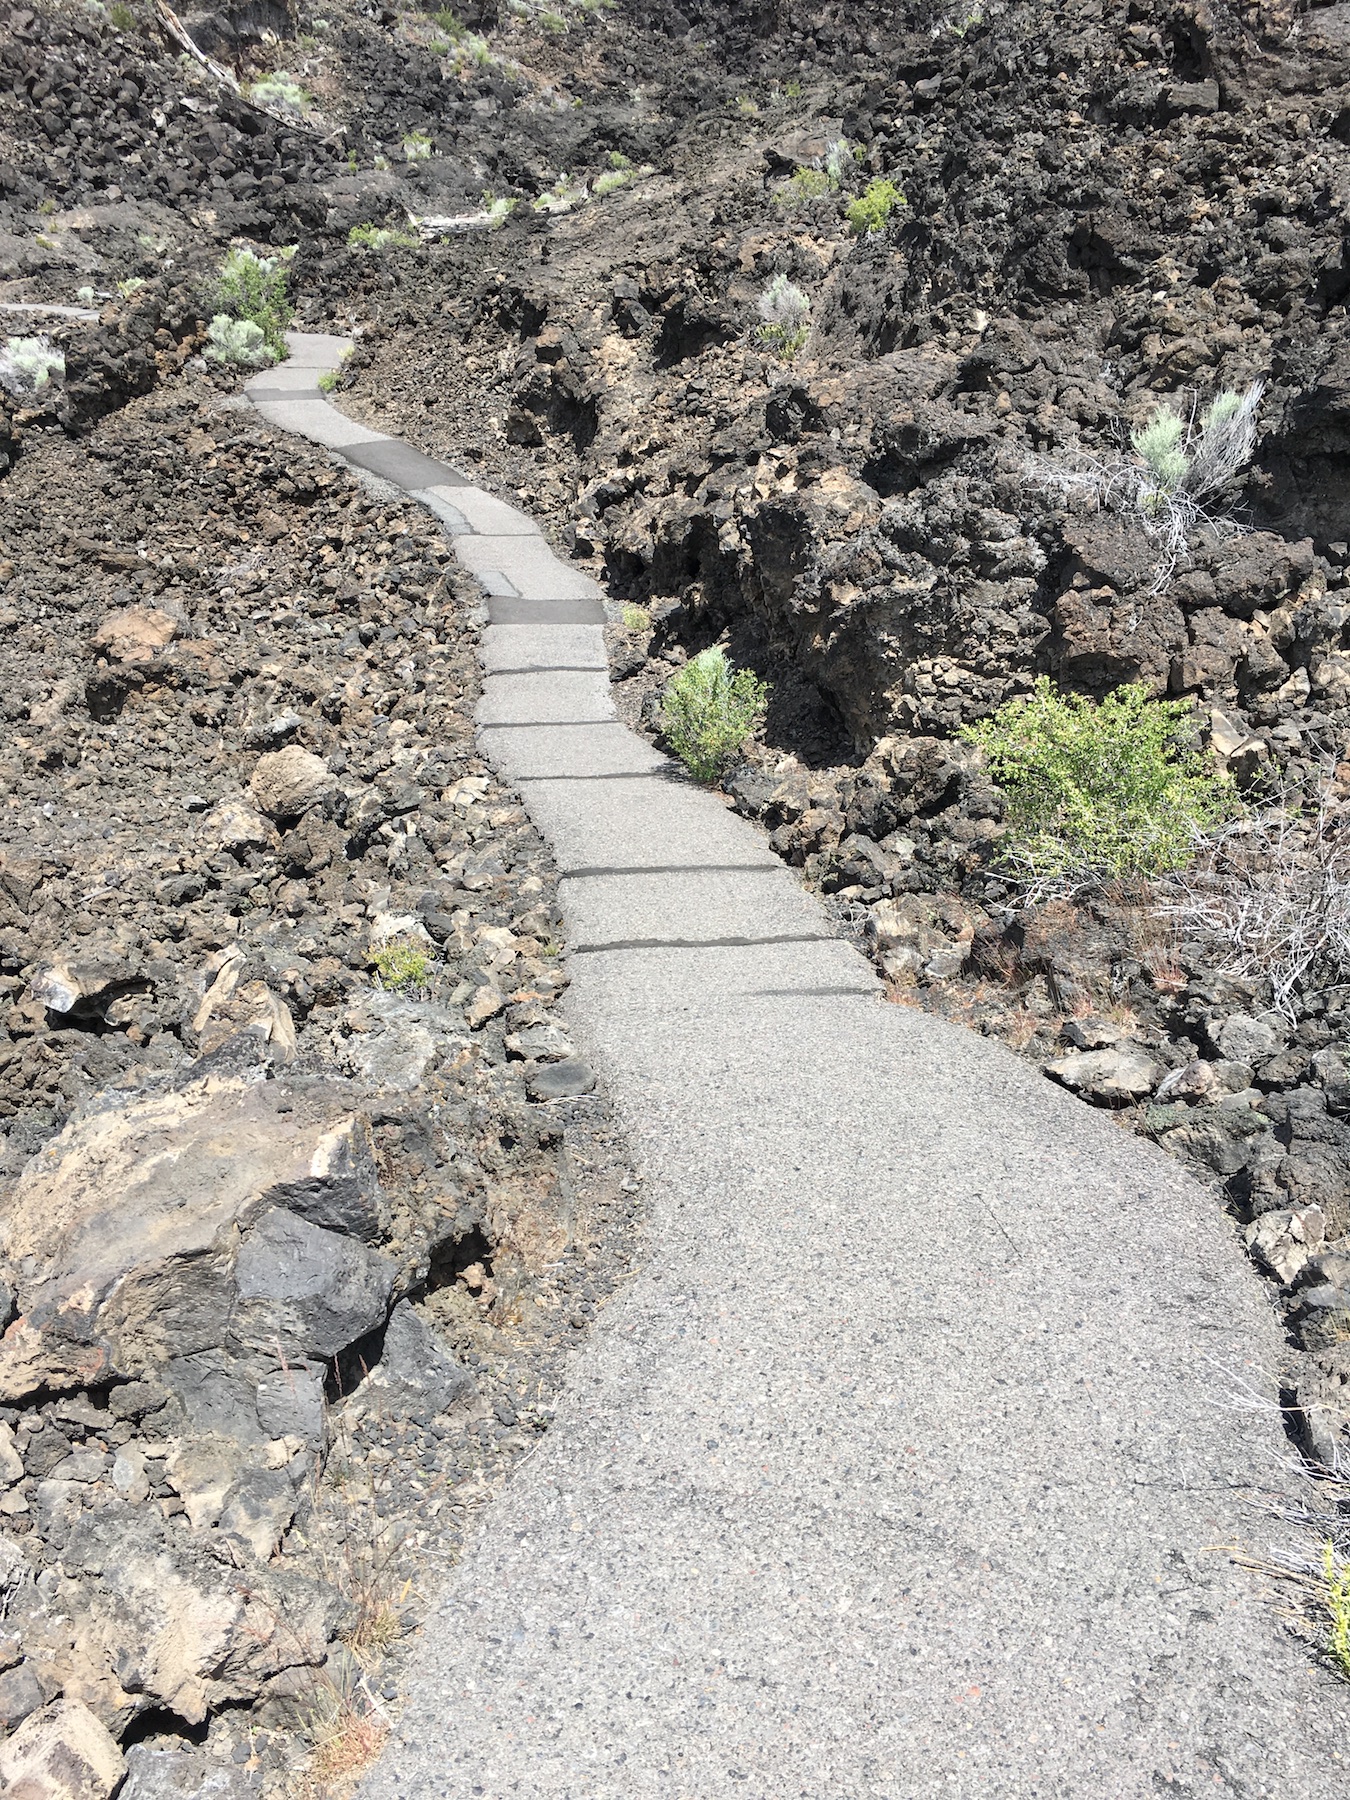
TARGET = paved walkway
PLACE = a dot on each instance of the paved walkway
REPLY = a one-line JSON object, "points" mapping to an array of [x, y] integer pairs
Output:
{"points": [[899, 1471]]}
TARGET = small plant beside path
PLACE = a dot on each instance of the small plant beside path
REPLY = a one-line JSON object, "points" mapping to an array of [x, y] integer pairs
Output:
{"points": [[707, 712], [252, 289], [1098, 792]]}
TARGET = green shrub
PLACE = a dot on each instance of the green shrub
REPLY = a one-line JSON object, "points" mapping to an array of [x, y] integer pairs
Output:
{"points": [[122, 18], [1186, 460], [635, 618], [416, 147], [28, 364], [238, 342], [565, 194], [1336, 1598], [402, 965], [805, 185], [377, 237], [1095, 793], [785, 312], [498, 207], [253, 287], [283, 92], [619, 173], [450, 25], [872, 209], [707, 713]]}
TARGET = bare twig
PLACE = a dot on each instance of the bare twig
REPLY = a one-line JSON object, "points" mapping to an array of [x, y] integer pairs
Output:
{"points": [[1269, 897]]}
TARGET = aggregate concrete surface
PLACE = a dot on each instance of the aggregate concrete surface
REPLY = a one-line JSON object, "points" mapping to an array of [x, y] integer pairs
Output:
{"points": [[907, 1466]]}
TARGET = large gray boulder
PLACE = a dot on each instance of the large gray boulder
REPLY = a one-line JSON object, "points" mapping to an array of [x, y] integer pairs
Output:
{"points": [[127, 1239]]}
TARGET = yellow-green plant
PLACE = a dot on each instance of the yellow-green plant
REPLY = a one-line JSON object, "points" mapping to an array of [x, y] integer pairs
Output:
{"points": [[707, 712], [619, 173], [872, 209], [1095, 792], [402, 965], [803, 186], [635, 618], [1336, 1597]]}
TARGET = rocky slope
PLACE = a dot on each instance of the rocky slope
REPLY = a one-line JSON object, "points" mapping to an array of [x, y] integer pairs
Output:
{"points": [[256, 888], [305, 1198]]}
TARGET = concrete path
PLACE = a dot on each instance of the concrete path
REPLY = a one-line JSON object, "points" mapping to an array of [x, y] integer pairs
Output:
{"points": [[901, 1470], [51, 312]]}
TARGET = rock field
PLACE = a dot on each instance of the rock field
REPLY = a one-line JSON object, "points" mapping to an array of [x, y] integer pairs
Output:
{"points": [[305, 1193], [264, 1200]]}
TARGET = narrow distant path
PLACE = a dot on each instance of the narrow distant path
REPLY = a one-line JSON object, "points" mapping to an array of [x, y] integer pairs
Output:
{"points": [[899, 1470]]}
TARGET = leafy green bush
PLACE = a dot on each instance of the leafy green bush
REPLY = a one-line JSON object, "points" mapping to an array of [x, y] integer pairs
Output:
{"points": [[253, 288], [1094, 793], [416, 147], [872, 210], [238, 342], [707, 713]]}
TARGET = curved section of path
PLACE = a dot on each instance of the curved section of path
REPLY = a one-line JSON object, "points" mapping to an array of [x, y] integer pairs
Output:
{"points": [[901, 1470]]}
